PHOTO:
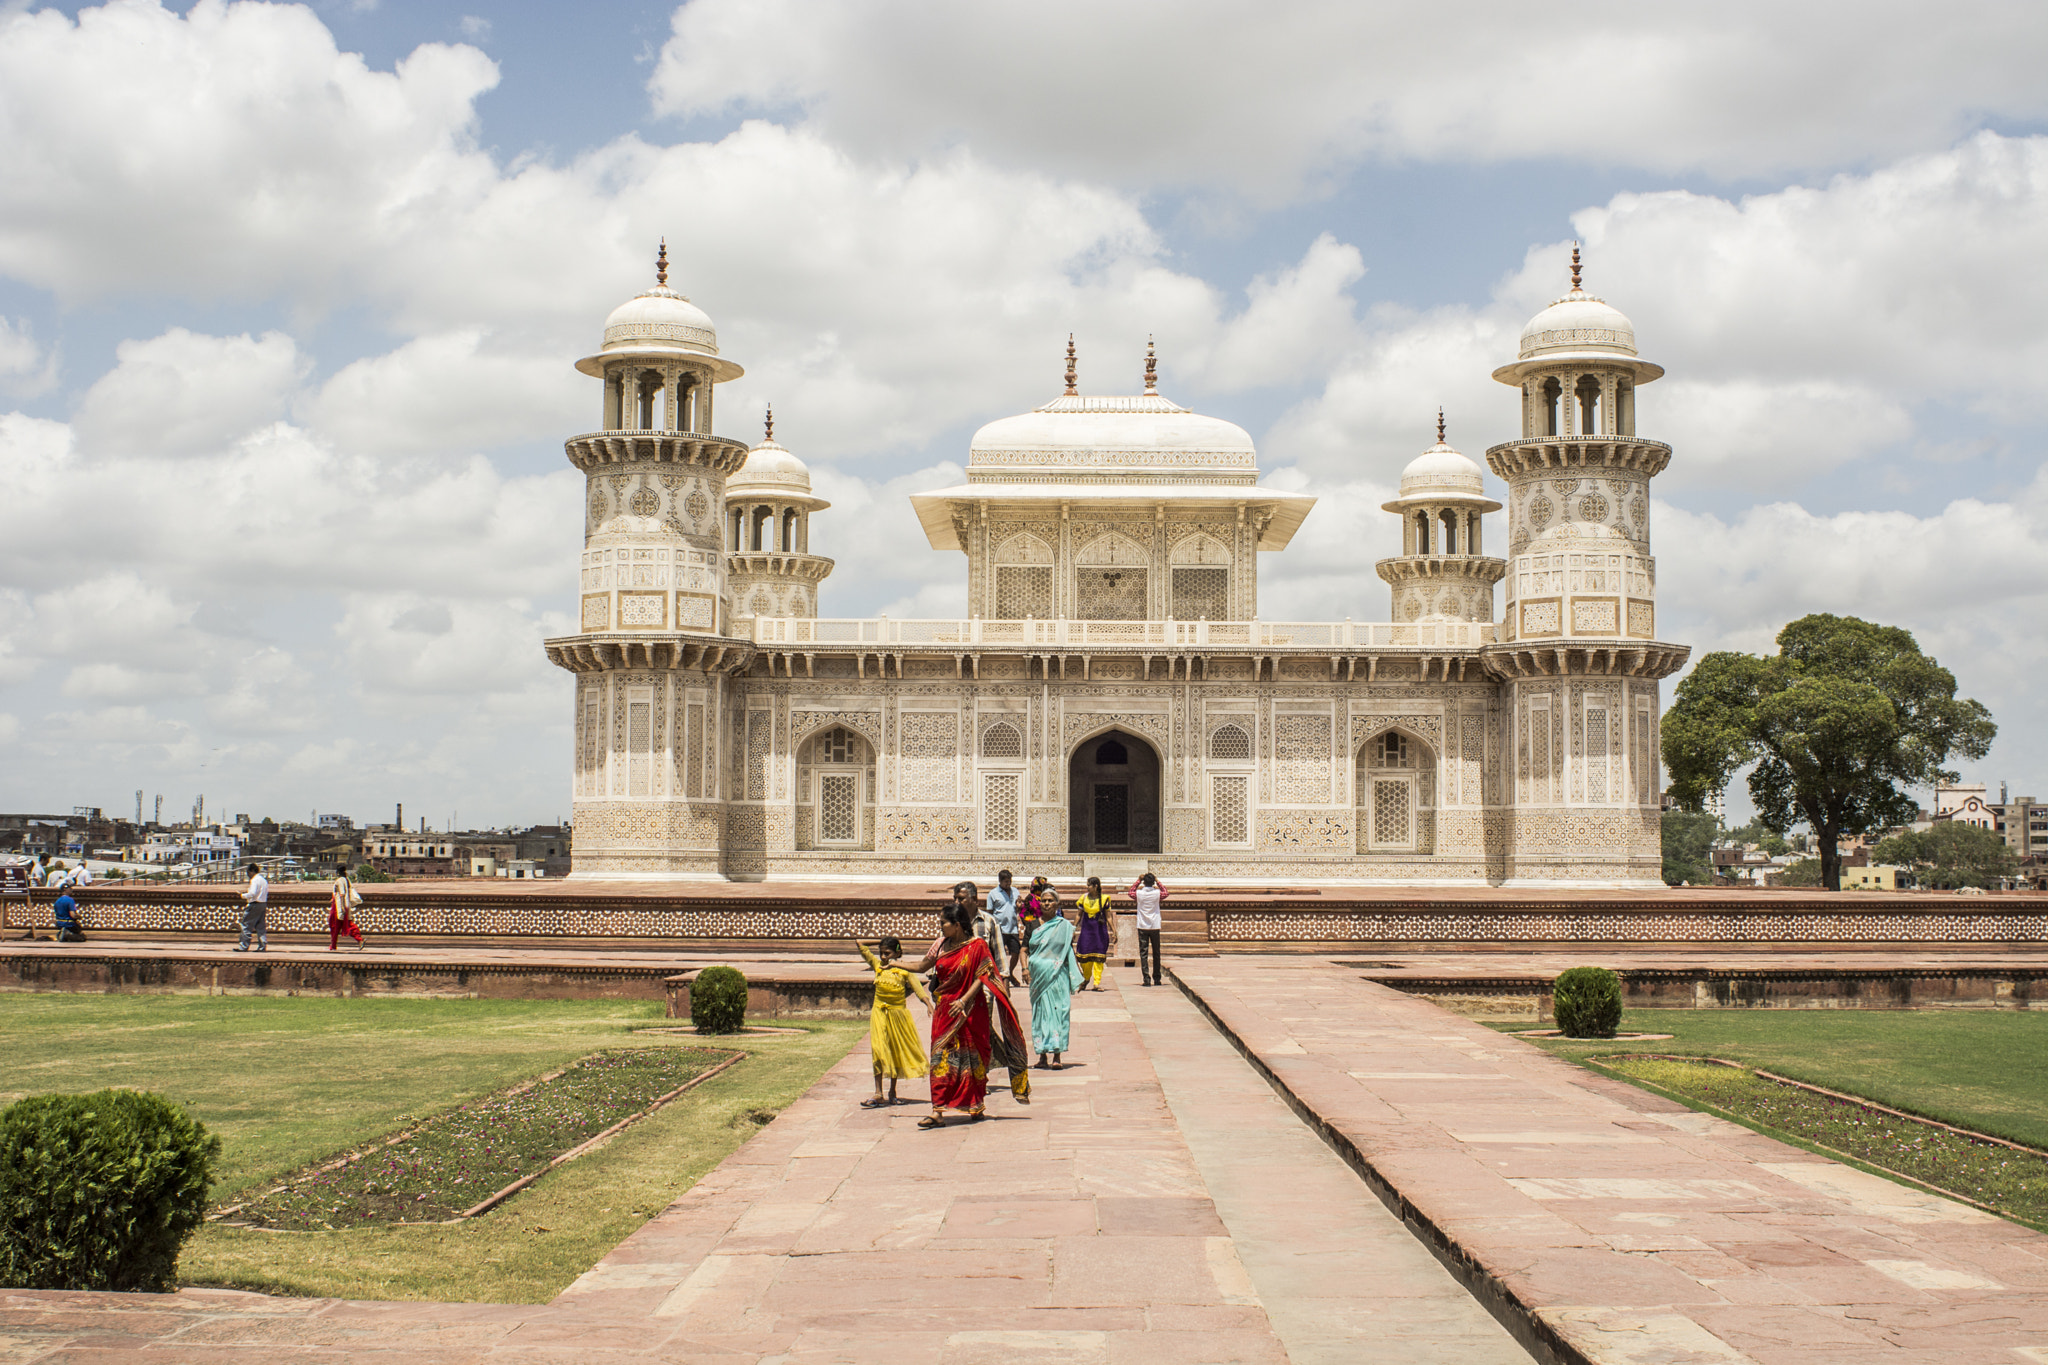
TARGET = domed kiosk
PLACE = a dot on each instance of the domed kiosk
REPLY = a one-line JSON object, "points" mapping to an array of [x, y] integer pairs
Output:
{"points": [[768, 507]]}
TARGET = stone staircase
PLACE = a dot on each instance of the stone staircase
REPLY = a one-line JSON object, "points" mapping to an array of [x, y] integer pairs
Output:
{"points": [[1184, 930]]}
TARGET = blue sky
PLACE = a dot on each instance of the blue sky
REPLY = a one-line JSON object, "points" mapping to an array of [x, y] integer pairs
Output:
{"points": [[289, 297]]}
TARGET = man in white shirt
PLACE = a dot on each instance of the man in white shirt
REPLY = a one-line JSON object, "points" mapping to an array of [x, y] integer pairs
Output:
{"points": [[82, 876], [1146, 893], [255, 907], [1002, 906]]}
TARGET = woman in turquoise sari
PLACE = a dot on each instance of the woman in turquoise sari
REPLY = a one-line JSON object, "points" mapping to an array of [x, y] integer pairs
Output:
{"points": [[1053, 975]]}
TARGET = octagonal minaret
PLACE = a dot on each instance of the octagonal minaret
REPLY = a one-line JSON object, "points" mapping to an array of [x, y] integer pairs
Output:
{"points": [[654, 643], [1440, 574], [1577, 651], [768, 506]]}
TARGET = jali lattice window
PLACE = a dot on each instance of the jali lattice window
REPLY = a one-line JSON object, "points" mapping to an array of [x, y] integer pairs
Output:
{"points": [[1000, 817], [1201, 594], [1228, 822], [1230, 743], [1002, 740], [1023, 590], [838, 808], [1109, 594]]}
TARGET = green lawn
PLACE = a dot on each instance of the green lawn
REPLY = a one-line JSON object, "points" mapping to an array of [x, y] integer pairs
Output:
{"points": [[288, 1081], [1982, 1069]]}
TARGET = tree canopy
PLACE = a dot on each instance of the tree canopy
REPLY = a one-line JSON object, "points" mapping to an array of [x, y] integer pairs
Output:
{"points": [[1841, 722], [1689, 847], [1948, 855]]}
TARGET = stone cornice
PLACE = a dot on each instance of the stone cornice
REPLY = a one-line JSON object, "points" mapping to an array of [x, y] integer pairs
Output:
{"points": [[1543, 455], [601, 448]]}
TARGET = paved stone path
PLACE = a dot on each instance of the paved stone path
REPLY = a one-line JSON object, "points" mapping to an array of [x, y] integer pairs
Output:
{"points": [[1333, 1267], [1633, 1229]]}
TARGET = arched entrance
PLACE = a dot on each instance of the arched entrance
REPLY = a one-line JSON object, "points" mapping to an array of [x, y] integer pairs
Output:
{"points": [[1113, 795]]}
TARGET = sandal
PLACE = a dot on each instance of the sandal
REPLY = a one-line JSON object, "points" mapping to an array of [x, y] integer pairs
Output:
{"points": [[876, 1103], [931, 1121]]}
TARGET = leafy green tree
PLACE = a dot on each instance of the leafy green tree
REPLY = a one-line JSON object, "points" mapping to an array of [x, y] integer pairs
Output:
{"points": [[1839, 722], [1688, 847], [1763, 836], [1948, 855], [1805, 872]]}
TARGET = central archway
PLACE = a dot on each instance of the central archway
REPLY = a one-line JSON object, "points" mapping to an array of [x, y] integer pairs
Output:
{"points": [[1113, 795]]}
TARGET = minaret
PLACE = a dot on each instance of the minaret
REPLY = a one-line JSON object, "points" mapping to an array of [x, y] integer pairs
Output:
{"points": [[768, 507], [1440, 574], [654, 642], [1577, 649]]}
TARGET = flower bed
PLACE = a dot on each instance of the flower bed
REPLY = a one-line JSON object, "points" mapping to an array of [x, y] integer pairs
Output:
{"points": [[456, 1161], [2000, 1176]]}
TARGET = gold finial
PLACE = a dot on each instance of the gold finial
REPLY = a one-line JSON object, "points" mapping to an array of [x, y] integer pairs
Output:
{"points": [[770, 437], [1439, 426], [1151, 368], [1575, 265], [1071, 390]]}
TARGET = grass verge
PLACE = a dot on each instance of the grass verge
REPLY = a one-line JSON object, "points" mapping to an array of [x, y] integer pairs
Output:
{"points": [[288, 1081], [1985, 1070], [2010, 1182]]}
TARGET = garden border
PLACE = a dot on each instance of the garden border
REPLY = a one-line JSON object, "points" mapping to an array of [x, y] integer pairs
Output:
{"points": [[1852, 1158], [588, 1145]]}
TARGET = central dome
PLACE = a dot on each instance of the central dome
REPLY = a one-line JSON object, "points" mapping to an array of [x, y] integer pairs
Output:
{"points": [[1137, 435]]}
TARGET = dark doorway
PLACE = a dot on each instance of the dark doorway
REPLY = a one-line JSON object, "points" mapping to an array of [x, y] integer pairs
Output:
{"points": [[1113, 795]]}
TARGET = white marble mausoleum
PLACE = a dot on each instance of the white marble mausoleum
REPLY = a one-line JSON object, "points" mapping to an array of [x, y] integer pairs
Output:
{"points": [[1113, 699]]}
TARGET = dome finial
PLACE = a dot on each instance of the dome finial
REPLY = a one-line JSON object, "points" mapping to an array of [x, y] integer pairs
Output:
{"points": [[661, 265], [1071, 390], [1575, 265], [1439, 426], [771, 425], [1151, 368]]}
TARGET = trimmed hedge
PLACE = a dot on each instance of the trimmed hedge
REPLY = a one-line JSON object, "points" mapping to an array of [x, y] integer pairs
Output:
{"points": [[718, 1000], [100, 1191], [1587, 1002]]}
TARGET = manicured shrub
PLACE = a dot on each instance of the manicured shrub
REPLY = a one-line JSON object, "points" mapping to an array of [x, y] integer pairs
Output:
{"points": [[99, 1191], [1587, 1002], [718, 1000]]}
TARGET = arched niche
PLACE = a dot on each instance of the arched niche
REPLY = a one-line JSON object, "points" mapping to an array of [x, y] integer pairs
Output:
{"points": [[1396, 794], [1199, 567], [1110, 580], [1113, 793], [1023, 579], [836, 785]]}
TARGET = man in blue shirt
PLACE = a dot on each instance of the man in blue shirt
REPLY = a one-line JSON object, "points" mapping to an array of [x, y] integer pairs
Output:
{"points": [[1002, 904], [66, 910]]}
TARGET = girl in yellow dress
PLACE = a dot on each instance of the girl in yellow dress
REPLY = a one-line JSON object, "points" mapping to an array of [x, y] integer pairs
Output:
{"points": [[892, 1035]]}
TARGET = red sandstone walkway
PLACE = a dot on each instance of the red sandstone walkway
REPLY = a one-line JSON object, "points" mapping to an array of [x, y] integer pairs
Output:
{"points": [[1633, 1229]]}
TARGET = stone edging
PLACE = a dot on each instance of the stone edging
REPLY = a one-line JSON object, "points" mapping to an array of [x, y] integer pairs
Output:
{"points": [[1530, 1331]]}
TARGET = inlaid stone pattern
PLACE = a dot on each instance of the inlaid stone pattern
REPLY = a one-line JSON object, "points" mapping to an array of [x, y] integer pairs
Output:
{"points": [[1631, 925]]}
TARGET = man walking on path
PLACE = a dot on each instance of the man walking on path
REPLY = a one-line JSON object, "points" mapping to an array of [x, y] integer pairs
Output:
{"points": [[1002, 906], [1147, 893], [255, 907]]}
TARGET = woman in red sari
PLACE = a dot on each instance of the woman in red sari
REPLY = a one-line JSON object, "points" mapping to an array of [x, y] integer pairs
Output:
{"points": [[974, 1026]]}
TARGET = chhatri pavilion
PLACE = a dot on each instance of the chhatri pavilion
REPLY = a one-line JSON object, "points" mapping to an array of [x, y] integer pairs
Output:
{"points": [[1112, 700]]}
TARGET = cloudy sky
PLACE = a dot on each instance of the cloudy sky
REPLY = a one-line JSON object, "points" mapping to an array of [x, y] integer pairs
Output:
{"points": [[289, 297]]}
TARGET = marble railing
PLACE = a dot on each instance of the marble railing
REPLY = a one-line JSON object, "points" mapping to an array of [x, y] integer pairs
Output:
{"points": [[1030, 633]]}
